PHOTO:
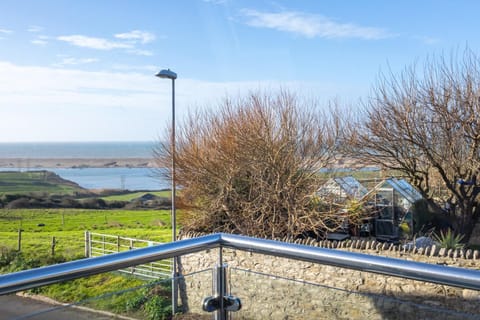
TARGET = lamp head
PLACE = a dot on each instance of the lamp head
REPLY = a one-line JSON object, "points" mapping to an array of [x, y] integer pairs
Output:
{"points": [[167, 74]]}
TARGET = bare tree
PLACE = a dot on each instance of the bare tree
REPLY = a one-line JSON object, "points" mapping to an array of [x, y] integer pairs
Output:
{"points": [[250, 166], [427, 127]]}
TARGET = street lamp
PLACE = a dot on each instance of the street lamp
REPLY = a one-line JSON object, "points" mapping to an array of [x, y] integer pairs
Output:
{"points": [[168, 74]]}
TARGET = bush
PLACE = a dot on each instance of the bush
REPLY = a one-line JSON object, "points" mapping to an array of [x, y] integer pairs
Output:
{"points": [[449, 240], [19, 203], [158, 308], [153, 301], [250, 166], [426, 217], [7, 256], [94, 203]]}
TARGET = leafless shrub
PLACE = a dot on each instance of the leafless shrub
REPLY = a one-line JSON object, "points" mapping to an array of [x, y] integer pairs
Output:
{"points": [[427, 127], [250, 166]]}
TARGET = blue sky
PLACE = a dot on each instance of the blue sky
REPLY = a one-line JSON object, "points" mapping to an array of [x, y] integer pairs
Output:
{"points": [[84, 70]]}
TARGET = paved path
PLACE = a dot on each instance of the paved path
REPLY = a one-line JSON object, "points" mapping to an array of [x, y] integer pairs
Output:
{"points": [[15, 307]]}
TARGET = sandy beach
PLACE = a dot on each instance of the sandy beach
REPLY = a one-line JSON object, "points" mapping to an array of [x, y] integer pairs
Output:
{"points": [[76, 163], [41, 163]]}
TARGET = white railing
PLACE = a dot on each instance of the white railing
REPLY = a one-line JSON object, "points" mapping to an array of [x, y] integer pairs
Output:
{"points": [[97, 244]]}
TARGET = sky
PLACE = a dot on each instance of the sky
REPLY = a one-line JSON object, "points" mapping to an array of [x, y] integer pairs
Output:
{"points": [[85, 70]]}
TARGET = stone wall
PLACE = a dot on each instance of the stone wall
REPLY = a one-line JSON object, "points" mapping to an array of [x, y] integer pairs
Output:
{"points": [[279, 288]]}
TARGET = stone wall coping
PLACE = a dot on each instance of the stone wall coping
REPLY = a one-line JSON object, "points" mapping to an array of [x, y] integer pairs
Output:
{"points": [[373, 246]]}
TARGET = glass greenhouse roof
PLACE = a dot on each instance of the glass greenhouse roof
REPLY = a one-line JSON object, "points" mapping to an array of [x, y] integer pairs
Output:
{"points": [[351, 186], [402, 187]]}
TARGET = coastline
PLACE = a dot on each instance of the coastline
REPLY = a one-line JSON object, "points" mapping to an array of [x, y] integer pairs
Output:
{"points": [[137, 162], [45, 163]]}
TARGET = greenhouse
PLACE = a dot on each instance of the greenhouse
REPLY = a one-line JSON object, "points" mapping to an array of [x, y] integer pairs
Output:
{"points": [[392, 200], [342, 188]]}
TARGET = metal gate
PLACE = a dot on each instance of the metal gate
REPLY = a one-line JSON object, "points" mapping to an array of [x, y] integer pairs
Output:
{"points": [[97, 244]]}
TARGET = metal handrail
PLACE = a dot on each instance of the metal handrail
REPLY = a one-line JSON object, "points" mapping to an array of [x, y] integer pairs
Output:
{"points": [[23, 280]]}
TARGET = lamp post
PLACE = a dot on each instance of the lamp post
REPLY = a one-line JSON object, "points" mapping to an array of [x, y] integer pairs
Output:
{"points": [[168, 74]]}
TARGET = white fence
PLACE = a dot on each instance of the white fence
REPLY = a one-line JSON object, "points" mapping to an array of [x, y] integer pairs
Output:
{"points": [[97, 244]]}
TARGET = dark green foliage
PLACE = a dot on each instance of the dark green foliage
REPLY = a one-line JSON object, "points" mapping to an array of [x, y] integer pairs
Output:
{"points": [[153, 301], [13, 260], [7, 256], [94, 203], [158, 308], [135, 303], [426, 218]]}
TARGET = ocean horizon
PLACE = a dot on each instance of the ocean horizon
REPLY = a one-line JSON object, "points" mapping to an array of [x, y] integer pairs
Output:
{"points": [[71, 150]]}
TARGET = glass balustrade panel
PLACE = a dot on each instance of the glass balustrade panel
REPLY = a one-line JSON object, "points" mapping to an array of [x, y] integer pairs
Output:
{"points": [[110, 295], [266, 296]]}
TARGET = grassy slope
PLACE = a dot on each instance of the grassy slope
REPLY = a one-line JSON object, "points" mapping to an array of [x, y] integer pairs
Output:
{"points": [[14, 182], [134, 195]]}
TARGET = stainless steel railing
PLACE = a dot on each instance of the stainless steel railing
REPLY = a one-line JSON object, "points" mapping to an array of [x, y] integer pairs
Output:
{"points": [[29, 279]]}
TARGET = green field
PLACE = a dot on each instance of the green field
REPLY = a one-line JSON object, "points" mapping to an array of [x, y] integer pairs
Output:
{"points": [[14, 182], [133, 195], [47, 236], [68, 227], [39, 226]]}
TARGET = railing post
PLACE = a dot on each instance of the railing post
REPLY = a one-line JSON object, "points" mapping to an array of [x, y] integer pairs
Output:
{"points": [[174, 286], [220, 302], [220, 287], [19, 244], [54, 242], [87, 244]]}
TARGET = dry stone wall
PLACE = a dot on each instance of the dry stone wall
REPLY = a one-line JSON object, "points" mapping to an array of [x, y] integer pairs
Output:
{"points": [[279, 288]]}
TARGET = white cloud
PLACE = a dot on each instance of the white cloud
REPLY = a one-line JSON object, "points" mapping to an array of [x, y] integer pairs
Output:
{"points": [[137, 35], [128, 41], [310, 25], [149, 68], [139, 52], [35, 29], [94, 43], [70, 61], [4, 32], [40, 103], [39, 42], [427, 40]]}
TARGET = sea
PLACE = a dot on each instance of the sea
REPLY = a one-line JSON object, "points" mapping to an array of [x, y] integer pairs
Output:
{"points": [[92, 178]]}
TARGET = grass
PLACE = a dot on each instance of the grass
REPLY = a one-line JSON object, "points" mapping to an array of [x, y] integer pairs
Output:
{"points": [[116, 293], [14, 182], [134, 195], [40, 227], [68, 226]]}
